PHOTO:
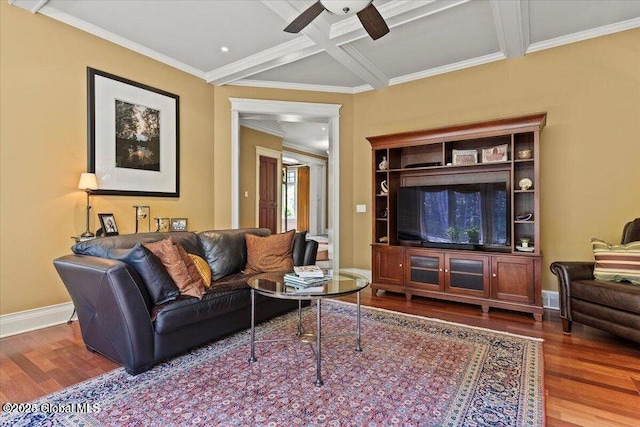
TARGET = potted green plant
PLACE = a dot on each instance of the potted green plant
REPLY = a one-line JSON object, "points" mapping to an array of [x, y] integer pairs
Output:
{"points": [[473, 233], [453, 234]]}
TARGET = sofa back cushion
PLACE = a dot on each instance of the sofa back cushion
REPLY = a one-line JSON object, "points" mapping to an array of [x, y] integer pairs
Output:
{"points": [[226, 250], [159, 284], [100, 247], [616, 262]]}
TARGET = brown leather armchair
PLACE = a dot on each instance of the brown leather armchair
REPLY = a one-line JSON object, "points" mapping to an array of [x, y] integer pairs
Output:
{"points": [[610, 306]]}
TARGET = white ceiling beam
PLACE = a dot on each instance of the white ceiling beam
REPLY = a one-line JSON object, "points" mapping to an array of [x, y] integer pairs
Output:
{"points": [[511, 19], [318, 31], [39, 6], [395, 13], [267, 59]]}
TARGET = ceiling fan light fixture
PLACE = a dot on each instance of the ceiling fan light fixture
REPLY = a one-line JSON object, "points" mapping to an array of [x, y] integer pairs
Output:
{"points": [[345, 7]]}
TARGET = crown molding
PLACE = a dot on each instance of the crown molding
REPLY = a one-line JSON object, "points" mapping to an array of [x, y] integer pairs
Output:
{"points": [[448, 68], [54, 13], [304, 148], [260, 127], [585, 35], [293, 86]]}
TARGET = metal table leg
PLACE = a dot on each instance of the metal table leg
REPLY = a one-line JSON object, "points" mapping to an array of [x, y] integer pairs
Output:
{"points": [[318, 381], [252, 358], [358, 348], [299, 317]]}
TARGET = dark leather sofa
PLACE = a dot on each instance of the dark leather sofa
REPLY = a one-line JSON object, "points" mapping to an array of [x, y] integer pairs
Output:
{"points": [[610, 306], [118, 319]]}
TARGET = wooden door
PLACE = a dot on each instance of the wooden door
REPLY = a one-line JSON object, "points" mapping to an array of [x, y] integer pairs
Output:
{"points": [[388, 265], [467, 274], [512, 279], [302, 214], [424, 269], [268, 203]]}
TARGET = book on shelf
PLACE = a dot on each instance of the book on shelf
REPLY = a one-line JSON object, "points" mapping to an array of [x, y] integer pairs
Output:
{"points": [[308, 271]]}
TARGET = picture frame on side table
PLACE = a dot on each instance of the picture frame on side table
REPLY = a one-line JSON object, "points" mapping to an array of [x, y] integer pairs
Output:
{"points": [[108, 224], [178, 224], [133, 137]]}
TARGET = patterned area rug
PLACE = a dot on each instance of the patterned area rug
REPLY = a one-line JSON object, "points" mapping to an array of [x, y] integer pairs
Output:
{"points": [[413, 371]]}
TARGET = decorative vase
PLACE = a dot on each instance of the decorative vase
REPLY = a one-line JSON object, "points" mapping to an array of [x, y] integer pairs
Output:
{"points": [[383, 164], [384, 187]]}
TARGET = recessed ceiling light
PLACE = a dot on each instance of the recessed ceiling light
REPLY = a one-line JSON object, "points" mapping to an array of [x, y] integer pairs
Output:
{"points": [[224, 49], [324, 128]]}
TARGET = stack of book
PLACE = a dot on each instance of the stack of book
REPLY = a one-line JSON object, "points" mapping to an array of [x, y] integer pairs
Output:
{"points": [[306, 279]]}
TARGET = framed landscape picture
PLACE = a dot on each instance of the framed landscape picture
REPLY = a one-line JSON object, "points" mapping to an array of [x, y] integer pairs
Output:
{"points": [[133, 137]]}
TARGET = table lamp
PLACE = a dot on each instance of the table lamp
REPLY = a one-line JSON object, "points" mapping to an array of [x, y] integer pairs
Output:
{"points": [[87, 183]]}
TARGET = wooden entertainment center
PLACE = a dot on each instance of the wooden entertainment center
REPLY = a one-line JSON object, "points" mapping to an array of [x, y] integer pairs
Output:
{"points": [[506, 150]]}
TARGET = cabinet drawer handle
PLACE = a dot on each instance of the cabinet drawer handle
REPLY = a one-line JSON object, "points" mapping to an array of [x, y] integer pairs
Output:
{"points": [[446, 271], [400, 265], [440, 269], [495, 275]]}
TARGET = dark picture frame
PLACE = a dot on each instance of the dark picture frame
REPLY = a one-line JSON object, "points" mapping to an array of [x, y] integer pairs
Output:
{"points": [[133, 137], [108, 224], [178, 224]]}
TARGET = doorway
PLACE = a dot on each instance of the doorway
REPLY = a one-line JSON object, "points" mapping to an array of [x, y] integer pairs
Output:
{"points": [[268, 194], [292, 111]]}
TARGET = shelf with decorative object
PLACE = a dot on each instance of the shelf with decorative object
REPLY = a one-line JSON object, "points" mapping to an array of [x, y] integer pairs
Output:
{"points": [[464, 268]]}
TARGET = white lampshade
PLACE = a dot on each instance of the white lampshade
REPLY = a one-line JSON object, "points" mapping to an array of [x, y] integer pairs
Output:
{"points": [[88, 181], [338, 6]]}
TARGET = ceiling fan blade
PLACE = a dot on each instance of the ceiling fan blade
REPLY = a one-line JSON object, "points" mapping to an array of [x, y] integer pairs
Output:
{"points": [[305, 18], [373, 22]]}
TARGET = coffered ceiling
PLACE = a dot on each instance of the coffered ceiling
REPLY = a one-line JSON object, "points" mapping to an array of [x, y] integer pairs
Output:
{"points": [[334, 53]]}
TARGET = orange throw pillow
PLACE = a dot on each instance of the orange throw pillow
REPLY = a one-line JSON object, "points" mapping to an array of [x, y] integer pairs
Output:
{"points": [[168, 254], [270, 253], [192, 268]]}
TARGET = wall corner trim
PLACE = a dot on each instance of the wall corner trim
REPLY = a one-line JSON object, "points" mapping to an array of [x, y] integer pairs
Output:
{"points": [[37, 318]]}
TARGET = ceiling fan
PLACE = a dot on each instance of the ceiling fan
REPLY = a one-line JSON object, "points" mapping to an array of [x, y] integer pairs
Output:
{"points": [[371, 19]]}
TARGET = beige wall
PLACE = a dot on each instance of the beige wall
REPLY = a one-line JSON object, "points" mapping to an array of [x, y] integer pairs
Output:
{"points": [[249, 140], [43, 149], [590, 146]]}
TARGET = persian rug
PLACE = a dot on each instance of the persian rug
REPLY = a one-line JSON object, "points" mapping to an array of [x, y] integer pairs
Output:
{"points": [[414, 371]]}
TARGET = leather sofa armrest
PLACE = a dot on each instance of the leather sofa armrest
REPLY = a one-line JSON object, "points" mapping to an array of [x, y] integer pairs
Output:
{"points": [[113, 308], [310, 252], [566, 272]]}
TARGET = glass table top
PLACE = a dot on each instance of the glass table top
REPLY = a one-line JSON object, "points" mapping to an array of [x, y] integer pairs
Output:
{"points": [[337, 283]]}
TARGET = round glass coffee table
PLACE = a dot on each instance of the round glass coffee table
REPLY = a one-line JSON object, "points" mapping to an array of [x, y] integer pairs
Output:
{"points": [[338, 283]]}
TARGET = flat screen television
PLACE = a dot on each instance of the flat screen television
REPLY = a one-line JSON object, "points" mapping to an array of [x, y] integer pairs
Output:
{"points": [[456, 216]]}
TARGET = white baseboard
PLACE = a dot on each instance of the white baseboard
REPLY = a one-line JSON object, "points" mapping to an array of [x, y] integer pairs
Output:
{"points": [[38, 318], [550, 299]]}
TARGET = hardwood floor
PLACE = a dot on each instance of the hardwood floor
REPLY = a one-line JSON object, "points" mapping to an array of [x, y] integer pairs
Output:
{"points": [[592, 378]]}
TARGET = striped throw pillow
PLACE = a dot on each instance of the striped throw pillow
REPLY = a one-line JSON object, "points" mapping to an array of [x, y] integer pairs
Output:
{"points": [[616, 262]]}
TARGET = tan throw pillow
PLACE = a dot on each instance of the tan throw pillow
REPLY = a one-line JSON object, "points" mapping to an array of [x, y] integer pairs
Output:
{"points": [[270, 253], [616, 262], [203, 269], [168, 253]]}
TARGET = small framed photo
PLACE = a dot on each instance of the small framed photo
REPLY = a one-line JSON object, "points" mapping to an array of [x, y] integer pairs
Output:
{"points": [[162, 225], [108, 223], [464, 157], [178, 224], [495, 154]]}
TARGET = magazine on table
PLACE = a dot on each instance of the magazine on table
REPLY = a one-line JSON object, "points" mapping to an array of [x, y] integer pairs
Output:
{"points": [[294, 279], [308, 271], [305, 289]]}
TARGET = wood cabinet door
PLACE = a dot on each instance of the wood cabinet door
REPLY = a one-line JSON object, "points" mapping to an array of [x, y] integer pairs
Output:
{"points": [[467, 274], [512, 279], [387, 266], [424, 269]]}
